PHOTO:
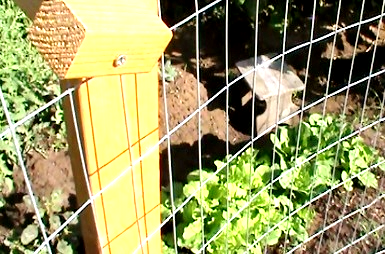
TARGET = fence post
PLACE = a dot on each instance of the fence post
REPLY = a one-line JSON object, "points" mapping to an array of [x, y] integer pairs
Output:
{"points": [[108, 52]]}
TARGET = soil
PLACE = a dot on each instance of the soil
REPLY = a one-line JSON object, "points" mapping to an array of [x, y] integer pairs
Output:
{"points": [[186, 143]]}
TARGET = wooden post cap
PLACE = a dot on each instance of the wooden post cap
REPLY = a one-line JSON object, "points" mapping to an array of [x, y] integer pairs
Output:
{"points": [[88, 38]]}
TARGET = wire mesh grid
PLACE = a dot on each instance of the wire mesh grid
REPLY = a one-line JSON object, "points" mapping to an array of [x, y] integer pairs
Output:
{"points": [[274, 214]]}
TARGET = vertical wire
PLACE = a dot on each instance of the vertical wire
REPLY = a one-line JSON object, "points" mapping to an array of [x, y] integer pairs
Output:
{"points": [[371, 66], [80, 145], [342, 129], [380, 114], [199, 121], [81, 151], [375, 142], [382, 223], [227, 122], [327, 92], [301, 114], [169, 158], [278, 102], [24, 169], [382, 182], [360, 239], [256, 26], [363, 111], [345, 217]]}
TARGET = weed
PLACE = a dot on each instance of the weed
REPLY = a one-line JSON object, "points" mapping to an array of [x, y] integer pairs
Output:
{"points": [[294, 181], [170, 72], [53, 215], [27, 84]]}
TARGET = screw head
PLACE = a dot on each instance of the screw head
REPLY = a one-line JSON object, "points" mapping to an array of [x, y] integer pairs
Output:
{"points": [[120, 60]]}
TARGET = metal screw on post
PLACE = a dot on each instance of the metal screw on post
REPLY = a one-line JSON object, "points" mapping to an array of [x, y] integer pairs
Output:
{"points": [[120, 60]]}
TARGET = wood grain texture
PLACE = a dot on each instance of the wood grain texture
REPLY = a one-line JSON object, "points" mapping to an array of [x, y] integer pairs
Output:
{"points": [[267, 78], [87, 217], [83, 38], [116, 112], [118, 122]]}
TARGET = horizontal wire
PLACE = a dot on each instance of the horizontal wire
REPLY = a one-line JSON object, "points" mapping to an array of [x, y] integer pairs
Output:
{"points": [[315, 199], [152, 149], [360, 239], [270, 184], [23, 168], [65, 224], [304, 205], [338, 221], [264, 64], [194, 15], [7, 131]]}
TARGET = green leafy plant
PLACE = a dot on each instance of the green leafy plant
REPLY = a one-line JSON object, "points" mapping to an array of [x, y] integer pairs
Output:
{"points": [[170, 72], [27, 84], [265, 210], [53, 214], [242, 195], [348, 158]]}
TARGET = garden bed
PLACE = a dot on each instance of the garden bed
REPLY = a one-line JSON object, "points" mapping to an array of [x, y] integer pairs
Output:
{"points": [[50, 170]]}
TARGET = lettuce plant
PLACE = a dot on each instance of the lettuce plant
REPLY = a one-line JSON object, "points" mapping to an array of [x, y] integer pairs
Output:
{"points": [[247, 207]]}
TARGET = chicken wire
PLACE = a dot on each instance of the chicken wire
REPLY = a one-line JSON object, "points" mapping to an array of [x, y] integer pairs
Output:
{"points": [[195, 18]]}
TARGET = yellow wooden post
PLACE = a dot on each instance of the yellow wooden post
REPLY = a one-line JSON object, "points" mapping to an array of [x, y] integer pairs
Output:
{"points": [[109, 52]]}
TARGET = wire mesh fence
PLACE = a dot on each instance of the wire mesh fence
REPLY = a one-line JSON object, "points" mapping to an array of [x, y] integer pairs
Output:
{"points": [[250, 162]]}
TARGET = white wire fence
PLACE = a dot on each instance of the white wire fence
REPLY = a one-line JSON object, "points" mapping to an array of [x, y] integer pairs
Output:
{"points": [[346, 215]]}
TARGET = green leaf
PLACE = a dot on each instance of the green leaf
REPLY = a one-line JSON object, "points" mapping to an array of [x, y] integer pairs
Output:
{"points": [[66, 215], [192, 187], [306, 214], [28, 202], [316, 120], [192, 236], [275, 140], [29, 234], [56, 201], [2, 202], [9, 186], [357, 160], [262, 200], [348, 184], [284, 136], [257, 179], [166, 249], [306, 135], [298, 230], [368, 179], [195, 176], [382, 165], [54, 222], [273, 237], [323, 173], [235, 191], [222, 197], [288, 179], [4, 170], [256, 249], [63, 247], [285, 202]]}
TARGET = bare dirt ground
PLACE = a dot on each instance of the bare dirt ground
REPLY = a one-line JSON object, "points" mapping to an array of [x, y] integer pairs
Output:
{"points": [[182, 101], [54, 172]]}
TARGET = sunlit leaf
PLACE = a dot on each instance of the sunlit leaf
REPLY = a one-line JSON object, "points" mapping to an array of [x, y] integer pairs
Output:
{"points": [[29, 234]]}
